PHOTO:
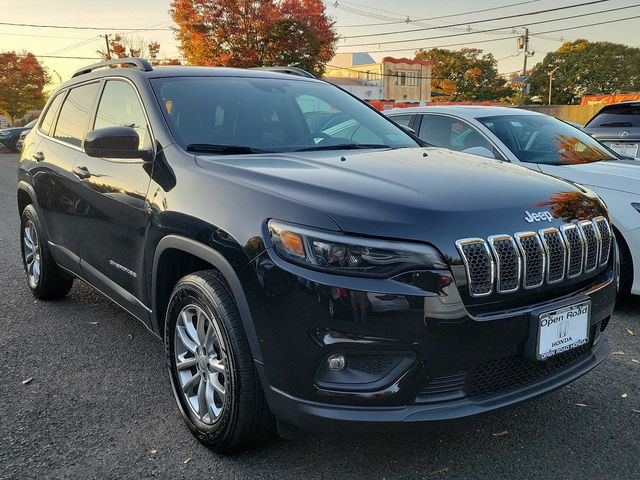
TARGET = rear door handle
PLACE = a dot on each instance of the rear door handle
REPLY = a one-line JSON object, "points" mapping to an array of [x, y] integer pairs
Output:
{"points": [[38, 156], [81, 172]]}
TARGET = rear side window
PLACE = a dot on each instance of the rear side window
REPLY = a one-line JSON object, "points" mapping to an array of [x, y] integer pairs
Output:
{"points": [[120, 107], [47, 121], [447, 132], [403, 120], [74, 115], [619, 116]]}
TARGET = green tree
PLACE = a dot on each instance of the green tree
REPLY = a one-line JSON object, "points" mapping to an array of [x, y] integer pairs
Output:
{"points": [[586, 68], [22, 79], [465, 75]]}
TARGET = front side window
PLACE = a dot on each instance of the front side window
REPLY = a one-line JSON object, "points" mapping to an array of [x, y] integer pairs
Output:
{"points": [[269, 115], [451, 133], [544, 139], [47, 121], [120, 107], [74, 116], [403, 120]]}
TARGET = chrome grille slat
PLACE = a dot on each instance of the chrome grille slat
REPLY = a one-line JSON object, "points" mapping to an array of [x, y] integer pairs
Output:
{"points": [[479, 265], [605, 234], [508, 263], [505, 263], [593, 242], [556, 251], [533, 259], [575, 247]]}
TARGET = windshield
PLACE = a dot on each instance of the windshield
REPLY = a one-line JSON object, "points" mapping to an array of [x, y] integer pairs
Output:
{"points": [[254, 115], [543, 139]]}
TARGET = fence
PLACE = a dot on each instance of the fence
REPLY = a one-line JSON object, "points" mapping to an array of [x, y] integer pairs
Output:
{"points": [[571, 113]]}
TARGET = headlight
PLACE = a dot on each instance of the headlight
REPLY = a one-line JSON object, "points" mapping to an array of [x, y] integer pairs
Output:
{"points": [[343, 255]]}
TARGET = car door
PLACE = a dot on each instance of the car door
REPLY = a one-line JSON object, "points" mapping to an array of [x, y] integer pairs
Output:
{"points": [[113, 227], [59, 138]]}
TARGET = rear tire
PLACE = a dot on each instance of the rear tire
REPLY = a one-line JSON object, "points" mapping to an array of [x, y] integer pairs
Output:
{"points": [[45, 279], [232, 415]]}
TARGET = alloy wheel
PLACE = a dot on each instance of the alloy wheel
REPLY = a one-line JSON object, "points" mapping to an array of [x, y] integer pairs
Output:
{"points": [[201, 364], [32, 253]]}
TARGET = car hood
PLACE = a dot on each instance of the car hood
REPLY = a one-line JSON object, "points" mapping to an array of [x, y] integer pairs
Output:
{"points": [[11, 130], [621, 175], [422, 194]]}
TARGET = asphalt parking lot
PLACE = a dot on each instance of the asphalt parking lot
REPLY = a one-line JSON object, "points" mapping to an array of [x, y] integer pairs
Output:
{"points": [[99, 405]]}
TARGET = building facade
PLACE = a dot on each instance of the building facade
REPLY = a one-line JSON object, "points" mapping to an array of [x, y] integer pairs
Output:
{"points": [[398, 79]]}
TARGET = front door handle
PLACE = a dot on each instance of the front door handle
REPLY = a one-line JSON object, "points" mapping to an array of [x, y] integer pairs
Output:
{"points": [[38, 156], [81, 172]]}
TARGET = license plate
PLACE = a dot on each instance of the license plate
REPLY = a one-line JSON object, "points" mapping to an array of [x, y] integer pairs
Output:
{"points": [[626, 149], [563, 329]]}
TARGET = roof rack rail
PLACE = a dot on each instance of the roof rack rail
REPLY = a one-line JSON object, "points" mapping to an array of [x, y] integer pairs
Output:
{"points": [[139, 63], [290, 70]]}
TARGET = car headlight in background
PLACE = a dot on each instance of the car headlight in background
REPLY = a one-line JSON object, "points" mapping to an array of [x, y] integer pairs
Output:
{"points": [[345, 255]]}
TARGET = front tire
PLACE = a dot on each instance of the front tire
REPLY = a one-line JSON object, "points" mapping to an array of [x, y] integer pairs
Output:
{"points": [[46, 280], [211, 367]]}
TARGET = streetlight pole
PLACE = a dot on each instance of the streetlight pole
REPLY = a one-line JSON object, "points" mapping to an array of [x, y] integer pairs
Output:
{"points": [[525, 41], [551, 81]]}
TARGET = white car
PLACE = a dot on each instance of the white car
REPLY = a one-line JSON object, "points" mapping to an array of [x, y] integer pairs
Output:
{"points": [[543, 143]]}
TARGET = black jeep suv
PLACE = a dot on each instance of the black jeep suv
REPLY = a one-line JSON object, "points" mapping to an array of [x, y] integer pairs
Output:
{"points": [[308, 263]]}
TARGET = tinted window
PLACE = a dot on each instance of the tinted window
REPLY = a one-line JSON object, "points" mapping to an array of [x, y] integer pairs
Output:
{"points": [[120, 107], [617, 116], [74, 115], [47, 121], [448, 132], [403, 120], [543, 139], [268, 114]]}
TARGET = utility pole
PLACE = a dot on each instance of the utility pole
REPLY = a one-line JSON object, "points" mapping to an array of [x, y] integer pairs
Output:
{"points": [[525, 42], [106, 40], [551, 81]]}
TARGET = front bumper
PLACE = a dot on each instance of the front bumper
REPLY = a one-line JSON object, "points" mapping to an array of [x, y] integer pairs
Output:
{"points": [[414, 353]]}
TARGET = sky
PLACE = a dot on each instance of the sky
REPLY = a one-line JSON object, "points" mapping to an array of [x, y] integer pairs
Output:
{"points": [[353, 18]]}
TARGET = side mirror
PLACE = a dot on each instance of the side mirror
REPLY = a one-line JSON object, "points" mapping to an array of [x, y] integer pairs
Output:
{"points": [[114, 142]]}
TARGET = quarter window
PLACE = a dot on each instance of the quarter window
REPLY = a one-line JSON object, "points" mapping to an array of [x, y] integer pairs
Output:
{"points": [[74, 116], [47, 121], [120, 107]]}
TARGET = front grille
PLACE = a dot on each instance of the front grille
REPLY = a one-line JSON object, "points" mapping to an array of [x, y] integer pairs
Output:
{"points": [[606, 236], [479, 264], [592, 242], [442, 388], [531, 259], [375, 365], [556, 251], [508, 373], [508, 262]]}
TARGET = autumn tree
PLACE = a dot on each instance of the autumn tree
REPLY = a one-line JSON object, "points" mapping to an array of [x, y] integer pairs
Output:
{"points": [[465, 75], [244, 33], [22, 79], [122, 47], [585, 68]]}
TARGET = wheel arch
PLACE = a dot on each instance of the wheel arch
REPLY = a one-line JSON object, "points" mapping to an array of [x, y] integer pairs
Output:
{"points": [[26, 196], [202, 257]]}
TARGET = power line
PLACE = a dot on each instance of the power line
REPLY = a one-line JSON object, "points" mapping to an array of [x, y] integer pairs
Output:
{"points": [[491, 29], [505, 38], [76, 27], [517, 15], [482, 10], [40, 36]]}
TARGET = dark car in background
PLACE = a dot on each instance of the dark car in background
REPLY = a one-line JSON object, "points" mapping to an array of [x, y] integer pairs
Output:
{"points": [[218, 207], [9, 136], [618, 127]]}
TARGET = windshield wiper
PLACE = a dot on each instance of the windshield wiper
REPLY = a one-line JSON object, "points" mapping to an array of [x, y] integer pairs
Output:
{"points": [[224, 149], [344, 146]]}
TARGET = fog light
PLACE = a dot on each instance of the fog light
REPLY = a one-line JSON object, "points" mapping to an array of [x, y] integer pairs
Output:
{"points": [[337, 361]]}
